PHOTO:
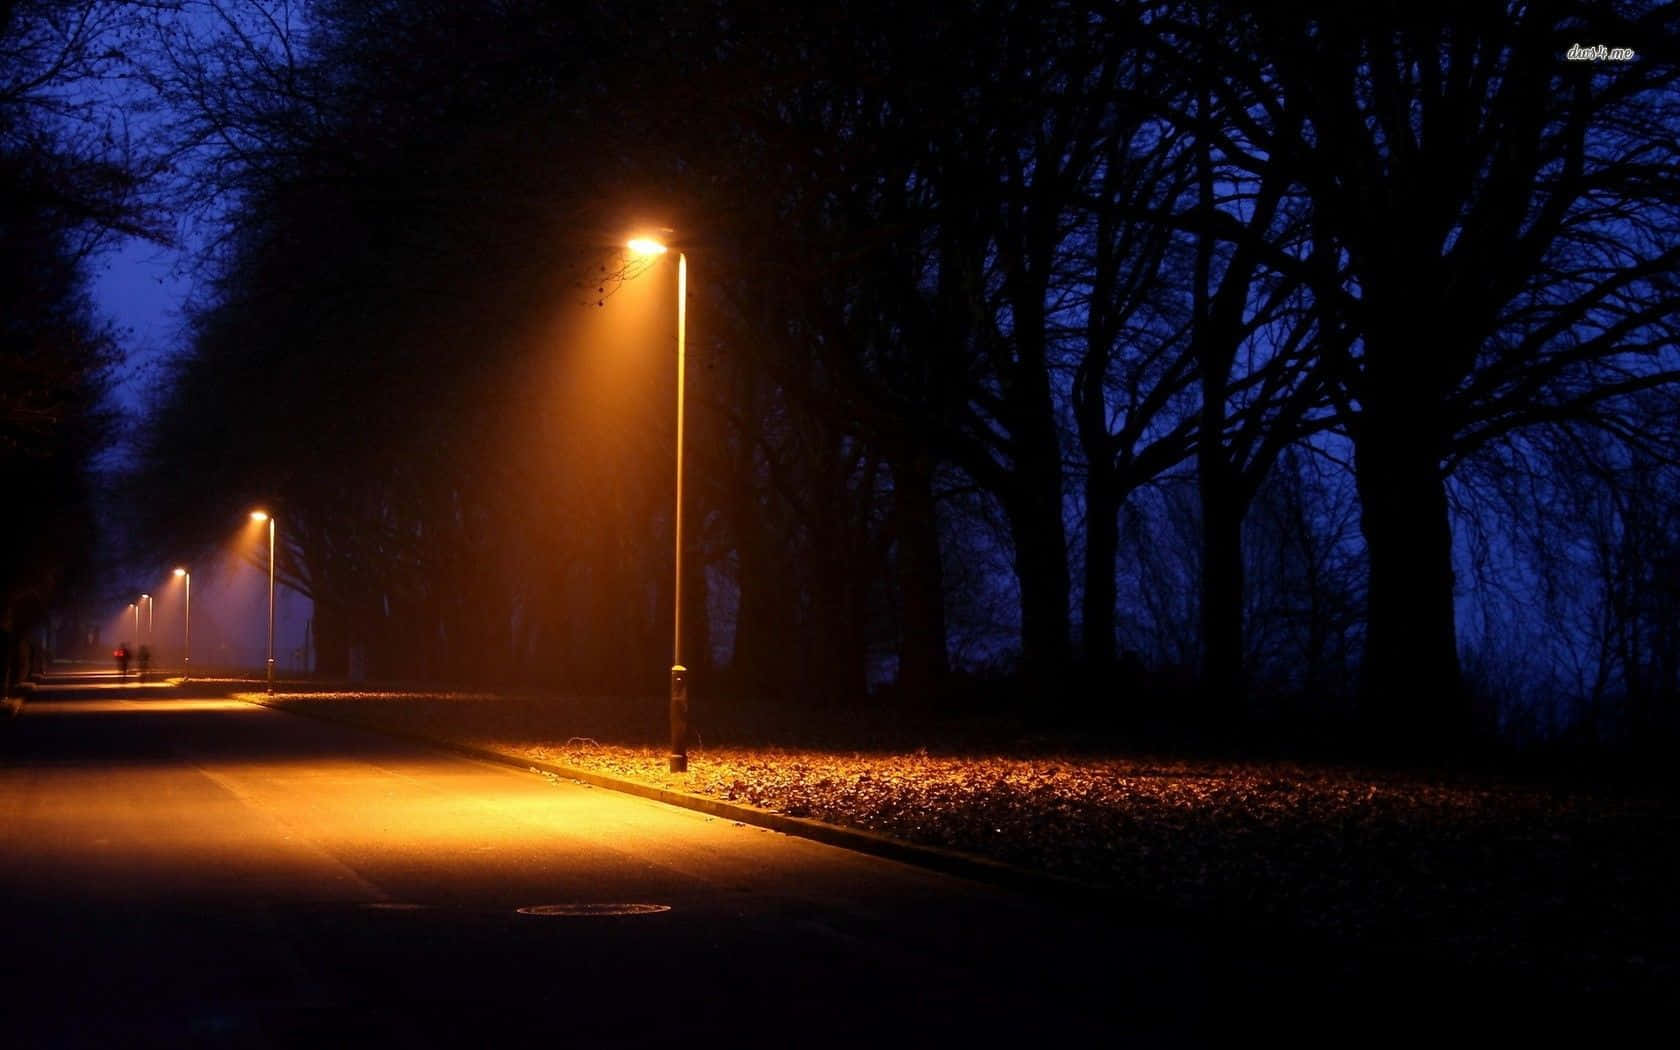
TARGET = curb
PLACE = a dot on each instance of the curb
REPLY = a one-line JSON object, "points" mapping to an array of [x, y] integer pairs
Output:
{"points": [[934, 858]]}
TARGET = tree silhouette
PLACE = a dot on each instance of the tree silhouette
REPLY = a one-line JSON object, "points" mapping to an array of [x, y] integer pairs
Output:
{"points": [[69, 184], [1507, 223]]}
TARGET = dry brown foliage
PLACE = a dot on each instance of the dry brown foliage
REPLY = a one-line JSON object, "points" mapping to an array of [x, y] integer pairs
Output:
{"points": [[1562, 887]]}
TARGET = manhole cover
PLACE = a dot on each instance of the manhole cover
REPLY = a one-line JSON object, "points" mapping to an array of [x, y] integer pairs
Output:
{"points": [[584, 910]]}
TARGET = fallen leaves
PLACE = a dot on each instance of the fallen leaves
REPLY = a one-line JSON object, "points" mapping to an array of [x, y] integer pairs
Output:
{"points": [[1571, 885], [1471, 869]]}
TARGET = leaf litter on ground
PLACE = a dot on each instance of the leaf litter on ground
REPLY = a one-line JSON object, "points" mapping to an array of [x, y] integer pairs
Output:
{"points": [[1566, 886]]}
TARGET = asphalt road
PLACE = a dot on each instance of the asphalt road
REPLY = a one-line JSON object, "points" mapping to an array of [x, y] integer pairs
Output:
{"points": [[189, 872]]}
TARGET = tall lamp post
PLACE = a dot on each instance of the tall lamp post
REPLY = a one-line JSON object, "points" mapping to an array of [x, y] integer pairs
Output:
{"points": [[258, 515], [186, 616], [649, 248], [150, 634], [136, 607]]}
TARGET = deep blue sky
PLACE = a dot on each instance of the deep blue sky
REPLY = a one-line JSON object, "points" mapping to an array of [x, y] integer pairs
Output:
{"points": [[138, 287]]}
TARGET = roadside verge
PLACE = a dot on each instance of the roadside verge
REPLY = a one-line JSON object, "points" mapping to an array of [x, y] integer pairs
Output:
{"points": [[945, 861]]}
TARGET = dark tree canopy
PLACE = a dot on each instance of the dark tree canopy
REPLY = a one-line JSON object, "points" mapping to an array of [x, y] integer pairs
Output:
{"points": [[68, 185], [1197, 318]]}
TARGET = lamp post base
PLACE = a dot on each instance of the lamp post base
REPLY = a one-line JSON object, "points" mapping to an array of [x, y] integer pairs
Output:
{"points": [[679, 719]]}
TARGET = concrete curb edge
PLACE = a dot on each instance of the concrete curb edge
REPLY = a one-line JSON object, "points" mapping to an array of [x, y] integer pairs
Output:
{"points": [[945, 861]]}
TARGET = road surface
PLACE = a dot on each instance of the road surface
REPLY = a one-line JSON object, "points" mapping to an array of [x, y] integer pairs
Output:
{"points": [[191, 872]]}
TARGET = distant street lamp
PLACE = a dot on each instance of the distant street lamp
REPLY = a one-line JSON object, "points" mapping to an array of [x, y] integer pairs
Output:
{"points": [[649, 248], [258, 515], [150, 634], [186, 616], [136, 607]]}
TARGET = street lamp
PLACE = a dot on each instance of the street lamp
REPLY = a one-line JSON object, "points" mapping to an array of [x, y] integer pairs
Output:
{"points": [[186, 616], [649, 248], [136, 607], [258, 515], [150, 634]]}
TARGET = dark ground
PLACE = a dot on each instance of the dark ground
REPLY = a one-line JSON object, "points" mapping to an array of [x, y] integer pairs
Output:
{"points": [[1560, 887]]}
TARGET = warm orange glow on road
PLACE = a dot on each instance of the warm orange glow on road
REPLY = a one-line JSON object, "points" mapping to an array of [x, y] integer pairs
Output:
{"points": [[230, 798]]}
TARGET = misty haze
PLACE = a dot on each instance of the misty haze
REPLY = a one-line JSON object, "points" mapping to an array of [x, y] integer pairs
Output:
{"points": [[895, 500]]}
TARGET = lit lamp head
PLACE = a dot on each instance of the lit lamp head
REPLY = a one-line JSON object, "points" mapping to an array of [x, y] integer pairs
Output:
{"points": [[646, 246], [180, 572], [259, 515]]}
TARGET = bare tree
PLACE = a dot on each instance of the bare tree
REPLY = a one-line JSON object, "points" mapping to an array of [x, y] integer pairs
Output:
{"points": [[70, 184], [1508, 223]]}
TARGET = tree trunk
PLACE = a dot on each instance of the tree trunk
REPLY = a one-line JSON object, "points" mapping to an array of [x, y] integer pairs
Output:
{"points": [[1033, 502], [332, 642], [1041, 569], [922, 660], [1412, 684], [7, 663], [1222, 586], [829, 668], [1217, 481], [835, 670], [761, 657], [1102, 544]]}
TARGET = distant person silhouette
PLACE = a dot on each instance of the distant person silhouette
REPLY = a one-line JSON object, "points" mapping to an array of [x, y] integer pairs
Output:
{"points": [[145, 661], [122, 660]]}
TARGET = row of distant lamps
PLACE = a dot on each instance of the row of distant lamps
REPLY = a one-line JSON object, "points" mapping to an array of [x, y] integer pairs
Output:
{"points": [[186, 579], [644, 247]]}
